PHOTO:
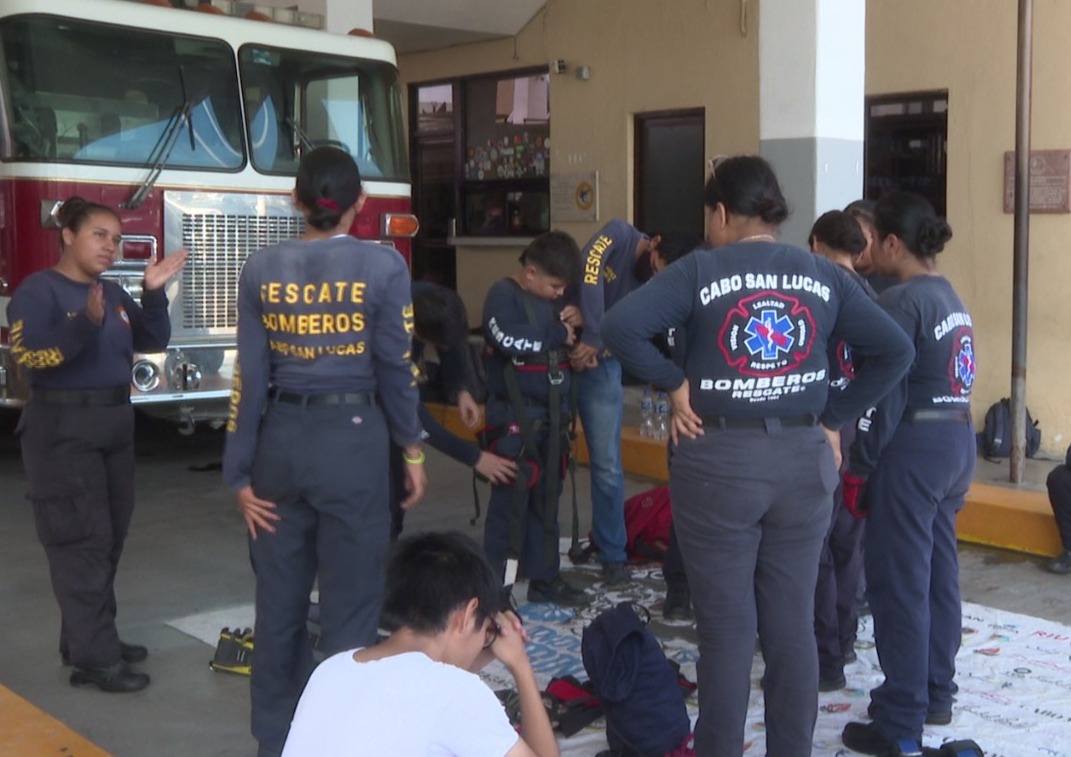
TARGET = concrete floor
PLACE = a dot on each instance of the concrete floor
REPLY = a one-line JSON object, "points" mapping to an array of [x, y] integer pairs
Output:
{"points": [[186, 554]]}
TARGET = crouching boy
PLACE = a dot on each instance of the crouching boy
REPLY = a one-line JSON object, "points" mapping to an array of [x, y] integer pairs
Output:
{"points": [[414, 693]]}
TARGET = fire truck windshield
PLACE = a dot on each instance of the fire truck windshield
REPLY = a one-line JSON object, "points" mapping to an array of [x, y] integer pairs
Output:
{"points": [[84, 92], [296, 99]]}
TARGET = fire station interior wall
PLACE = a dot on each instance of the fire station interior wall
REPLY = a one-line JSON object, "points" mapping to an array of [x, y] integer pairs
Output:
{"points": [[969, 48], [648, 56], [643, 57]]}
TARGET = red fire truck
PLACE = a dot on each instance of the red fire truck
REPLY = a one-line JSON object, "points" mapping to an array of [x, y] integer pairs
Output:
{"points": [[192, 125]]}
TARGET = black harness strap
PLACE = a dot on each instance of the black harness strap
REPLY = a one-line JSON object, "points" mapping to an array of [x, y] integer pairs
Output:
{"points": [[545, 491], [574, 545]]}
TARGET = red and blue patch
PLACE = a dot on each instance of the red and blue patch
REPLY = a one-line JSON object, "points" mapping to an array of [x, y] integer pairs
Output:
{"points": [[963, 367], [767, 334]]}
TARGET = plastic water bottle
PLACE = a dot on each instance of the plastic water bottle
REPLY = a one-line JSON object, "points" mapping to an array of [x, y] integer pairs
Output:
{"points": [[661, 419], [647, 415]]}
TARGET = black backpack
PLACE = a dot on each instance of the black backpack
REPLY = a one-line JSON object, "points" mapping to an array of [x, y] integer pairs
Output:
{"points": [[996, 435], [639, 688]]}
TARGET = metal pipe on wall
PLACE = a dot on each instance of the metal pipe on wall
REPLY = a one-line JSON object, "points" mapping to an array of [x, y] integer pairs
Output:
{"points": [[1021, 245]]}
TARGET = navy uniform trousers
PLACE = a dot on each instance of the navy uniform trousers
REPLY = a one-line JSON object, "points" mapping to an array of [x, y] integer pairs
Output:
{"points": [[534, 564], [80, 464], [673, 564], [912, 570], [751, 509], [840, 576], [836, 598], [325, 467]]}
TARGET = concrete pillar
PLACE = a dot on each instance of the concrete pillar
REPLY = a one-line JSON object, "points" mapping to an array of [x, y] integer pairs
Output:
{"points": [[811, 104]]}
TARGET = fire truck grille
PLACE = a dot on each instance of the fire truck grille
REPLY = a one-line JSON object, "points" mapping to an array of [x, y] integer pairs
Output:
{"points": [[219, 245]]}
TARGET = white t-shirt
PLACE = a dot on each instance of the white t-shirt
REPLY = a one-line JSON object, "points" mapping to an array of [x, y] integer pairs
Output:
{"points": [[406, 704]]}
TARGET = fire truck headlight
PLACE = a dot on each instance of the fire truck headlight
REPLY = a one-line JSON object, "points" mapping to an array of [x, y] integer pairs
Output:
{"points": [[145, 376]]}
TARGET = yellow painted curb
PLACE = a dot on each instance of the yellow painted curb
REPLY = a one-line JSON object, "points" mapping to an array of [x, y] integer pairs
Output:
{"points": [[26, 731], [998, 516], [1011, 518]]}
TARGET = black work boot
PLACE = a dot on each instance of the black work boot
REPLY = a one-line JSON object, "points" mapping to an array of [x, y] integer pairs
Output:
{"points": [[558, 591], [114, 679]]}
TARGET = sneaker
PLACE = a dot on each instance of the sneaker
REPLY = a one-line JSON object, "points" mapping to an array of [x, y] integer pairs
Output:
{"points": [[1061, 564], [114, 679], [678, 604], [866, 738], [615, 574], [558, 591], [234, 652]]}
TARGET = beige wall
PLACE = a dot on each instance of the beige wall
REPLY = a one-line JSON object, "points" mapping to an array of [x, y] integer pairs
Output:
{"points": [[968, 47], [647, 56], [644, 56]]}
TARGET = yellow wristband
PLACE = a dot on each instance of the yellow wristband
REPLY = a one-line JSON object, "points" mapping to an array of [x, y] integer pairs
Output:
{"points": [[418, 460]]}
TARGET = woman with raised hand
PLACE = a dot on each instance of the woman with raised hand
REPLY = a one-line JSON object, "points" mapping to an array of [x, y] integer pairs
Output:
{"points": [[75, 334]]}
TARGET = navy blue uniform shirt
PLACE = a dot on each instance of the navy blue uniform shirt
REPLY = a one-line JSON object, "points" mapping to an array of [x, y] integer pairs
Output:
{"points": [[842, 362], [454, 378], [608, 262], [52, 337], [759, 318], [510, 334], [316, 317], [930, 312], [452, 373]]}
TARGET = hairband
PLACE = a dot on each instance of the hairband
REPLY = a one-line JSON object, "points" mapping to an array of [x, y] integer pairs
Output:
{"points": [[328, 203]]}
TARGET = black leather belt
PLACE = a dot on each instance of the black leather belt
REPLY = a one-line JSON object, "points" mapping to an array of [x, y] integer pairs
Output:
{"points": [[762, 424], [938, 414], [327, 398], [108, 396]]}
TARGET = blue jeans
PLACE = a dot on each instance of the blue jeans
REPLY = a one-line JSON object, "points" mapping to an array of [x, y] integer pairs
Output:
{"points": [[601, 405]]}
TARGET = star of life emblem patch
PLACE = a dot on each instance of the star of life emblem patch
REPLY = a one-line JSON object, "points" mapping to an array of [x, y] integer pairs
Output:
{"points": [[962, 368], [767, 334]]}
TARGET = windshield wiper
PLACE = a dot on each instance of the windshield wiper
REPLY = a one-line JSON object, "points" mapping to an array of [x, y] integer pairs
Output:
{"points": [[297, 132], [164, 145]]}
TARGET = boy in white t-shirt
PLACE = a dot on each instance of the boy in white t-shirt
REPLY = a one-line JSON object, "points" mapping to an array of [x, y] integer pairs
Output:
{"points": [[414, 693]]}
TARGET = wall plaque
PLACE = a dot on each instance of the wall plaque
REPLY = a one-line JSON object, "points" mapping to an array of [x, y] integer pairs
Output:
{"points": [[1050, 177], [574, 197]]}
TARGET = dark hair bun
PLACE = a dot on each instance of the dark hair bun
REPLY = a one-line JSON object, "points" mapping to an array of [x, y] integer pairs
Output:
{"points": [[913, 219], [932, 236], [840, 231], [328, 184], [747, 186]]}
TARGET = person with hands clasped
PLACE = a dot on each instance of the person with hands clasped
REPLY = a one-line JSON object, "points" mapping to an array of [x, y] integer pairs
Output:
{"points": [[75, 335], [417, 692], [910, 468], [322, 381], [755, 435]]}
